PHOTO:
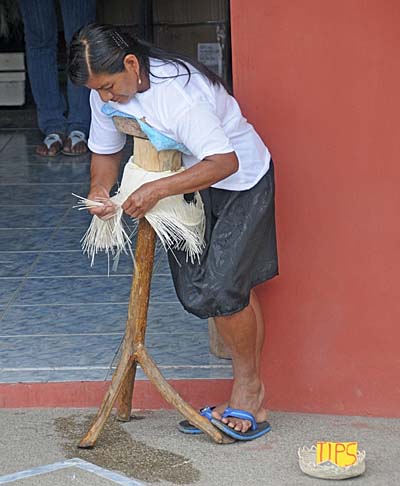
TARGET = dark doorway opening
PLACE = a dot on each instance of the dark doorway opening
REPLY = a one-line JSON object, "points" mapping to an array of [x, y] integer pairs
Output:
{"points": [[199, 29]]}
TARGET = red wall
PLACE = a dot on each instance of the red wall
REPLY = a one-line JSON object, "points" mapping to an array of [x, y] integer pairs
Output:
{"points": [[320, 80]]}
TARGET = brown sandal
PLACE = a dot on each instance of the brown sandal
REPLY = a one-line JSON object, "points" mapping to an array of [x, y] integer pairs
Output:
{"points": [[52, 140], [73, 139]]}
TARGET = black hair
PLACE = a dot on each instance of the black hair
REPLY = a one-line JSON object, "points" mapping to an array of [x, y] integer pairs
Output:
{"points": [[101, 48]]}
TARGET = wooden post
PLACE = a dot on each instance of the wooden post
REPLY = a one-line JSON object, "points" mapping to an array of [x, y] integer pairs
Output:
{"points": [[133, 349]]}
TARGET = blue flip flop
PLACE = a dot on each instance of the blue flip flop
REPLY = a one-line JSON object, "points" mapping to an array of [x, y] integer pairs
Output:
{"points": [[187, 428], [256, 430]]}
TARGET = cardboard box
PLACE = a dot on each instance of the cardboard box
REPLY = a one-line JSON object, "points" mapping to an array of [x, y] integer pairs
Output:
{"points": [[118, 12], [204, 43], [189, 11], [12, 88], [12, 61], [12, 79]]}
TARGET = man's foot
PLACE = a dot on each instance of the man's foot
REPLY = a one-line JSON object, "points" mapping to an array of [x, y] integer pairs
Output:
{"points": [[188, 428], [257, 429], [51, 145], [75, 144], [248, 397]]}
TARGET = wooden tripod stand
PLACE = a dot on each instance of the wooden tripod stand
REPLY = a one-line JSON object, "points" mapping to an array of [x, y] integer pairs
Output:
{"points": [[133, 348]]}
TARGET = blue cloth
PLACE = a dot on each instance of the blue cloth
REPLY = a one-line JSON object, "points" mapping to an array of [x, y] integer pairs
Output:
{"points": [[159, 140], [40, 24]]}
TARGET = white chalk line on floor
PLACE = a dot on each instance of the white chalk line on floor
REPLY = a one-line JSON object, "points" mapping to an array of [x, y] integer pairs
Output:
{"points": [[76, 463]]}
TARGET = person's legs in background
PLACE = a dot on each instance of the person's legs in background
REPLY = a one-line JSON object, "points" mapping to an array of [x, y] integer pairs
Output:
{"points": [[76, 14], [40, 24]]}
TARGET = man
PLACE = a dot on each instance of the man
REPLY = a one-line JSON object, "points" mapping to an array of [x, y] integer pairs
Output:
{"points": [[66, 133]]}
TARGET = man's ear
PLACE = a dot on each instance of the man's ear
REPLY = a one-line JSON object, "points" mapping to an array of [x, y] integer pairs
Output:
{"points": [[131, 63]]}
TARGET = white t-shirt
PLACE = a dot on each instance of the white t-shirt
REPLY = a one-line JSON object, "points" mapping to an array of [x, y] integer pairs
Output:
{"points": [[204, 117]]}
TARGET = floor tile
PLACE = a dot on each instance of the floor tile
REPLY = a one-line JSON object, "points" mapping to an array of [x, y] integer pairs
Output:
{"points": [[31, 216], [163, 290], [75, 359], [75, 263], [81, 290], [43, 352], [26, 137], [52, 171], [67, 239], [8, 288], [15, 153], [42, 194], [4, 140], [64, 319], [12, 240], [20, 152], [16, 264], [193, 351], [17, 119], [163, 319], [40, 375], [161, 265], [98, 350], [171, 319], [74, 290], [80, 218]]}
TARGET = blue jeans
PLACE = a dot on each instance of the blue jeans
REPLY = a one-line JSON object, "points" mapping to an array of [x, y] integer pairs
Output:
{"points": [[41, 34]]}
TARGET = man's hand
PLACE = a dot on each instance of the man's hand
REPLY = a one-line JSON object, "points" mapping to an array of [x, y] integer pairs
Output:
{"points": [[142, 200], [100, 194]]}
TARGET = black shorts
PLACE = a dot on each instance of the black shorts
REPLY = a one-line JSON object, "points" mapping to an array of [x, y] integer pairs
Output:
{"points": [[240, 251]]}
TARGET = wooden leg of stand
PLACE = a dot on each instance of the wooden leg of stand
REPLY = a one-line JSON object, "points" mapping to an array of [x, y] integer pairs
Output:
{"points": [[137, 309], [123, 379], [124, 400], [172, 397], [105, 409]]}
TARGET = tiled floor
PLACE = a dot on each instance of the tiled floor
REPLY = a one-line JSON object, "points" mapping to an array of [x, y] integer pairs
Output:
{"points": [[62, 320]]}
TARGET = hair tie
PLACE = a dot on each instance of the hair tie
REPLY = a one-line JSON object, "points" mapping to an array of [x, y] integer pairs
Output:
{"points": [[118, 39]]}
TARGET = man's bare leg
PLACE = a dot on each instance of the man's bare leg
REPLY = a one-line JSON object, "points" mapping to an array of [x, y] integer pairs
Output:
{"points": [[243, 334], [255, 304]]}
